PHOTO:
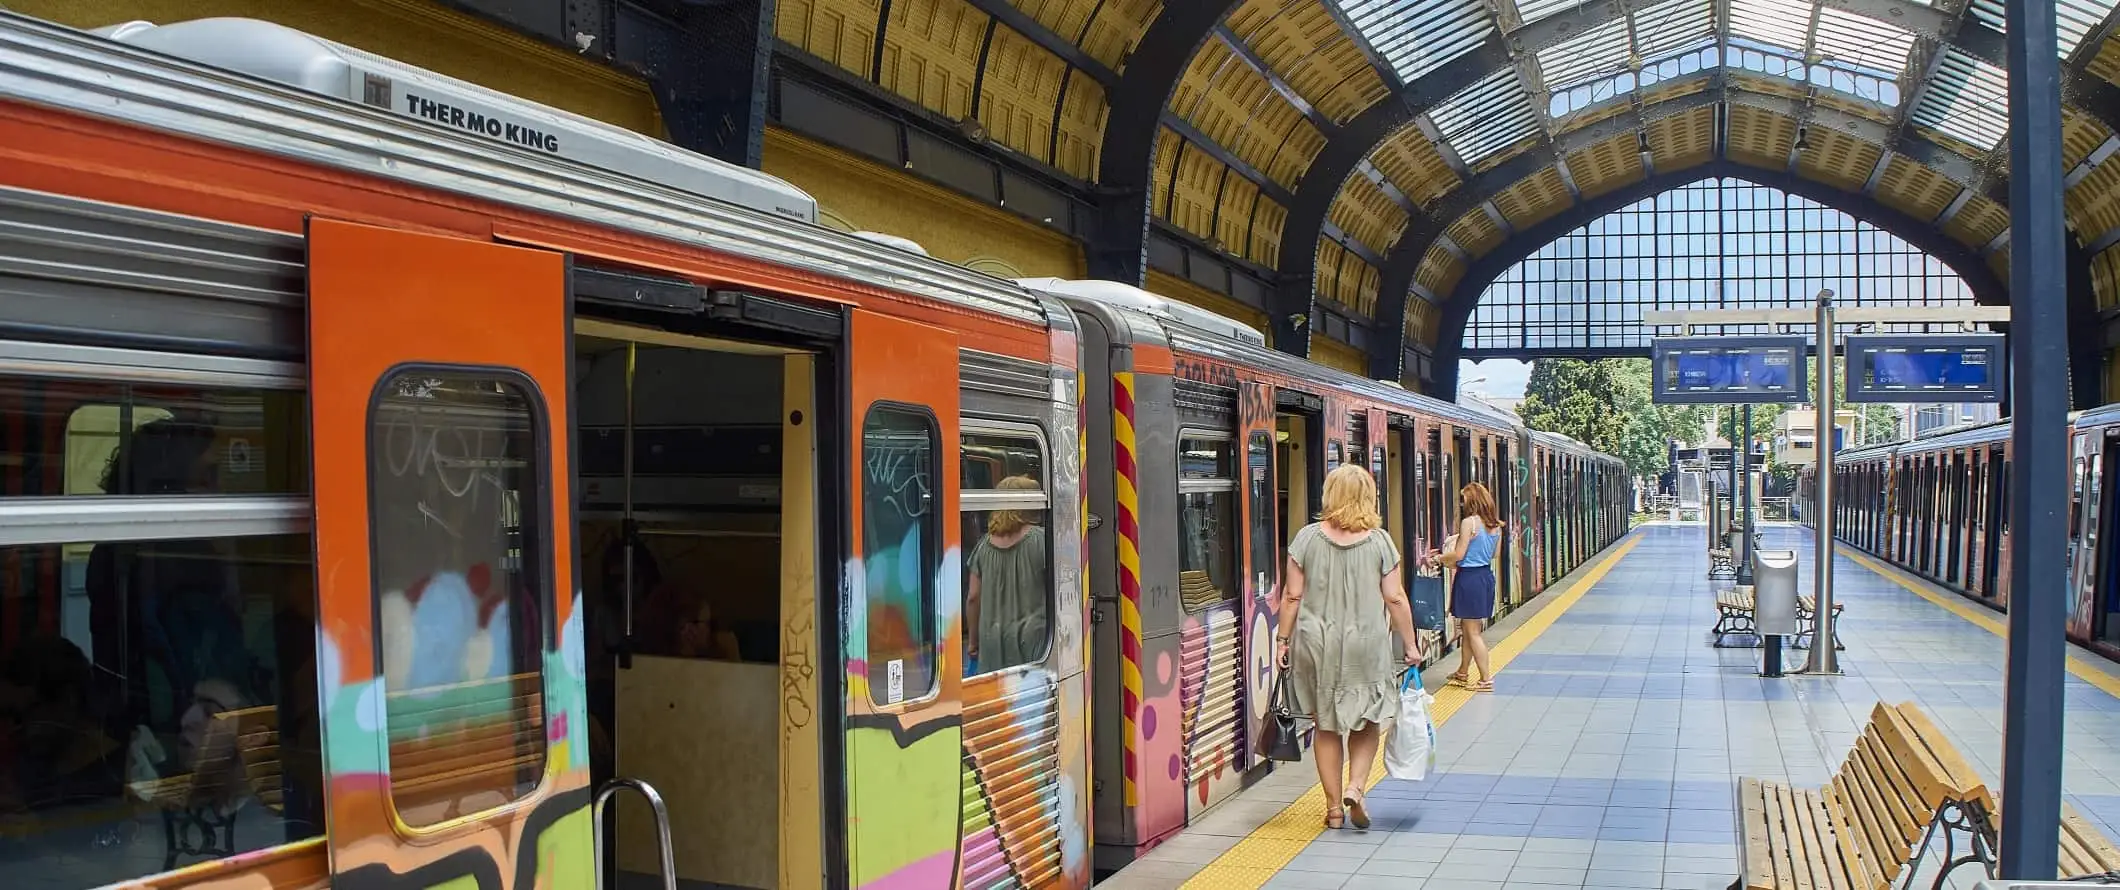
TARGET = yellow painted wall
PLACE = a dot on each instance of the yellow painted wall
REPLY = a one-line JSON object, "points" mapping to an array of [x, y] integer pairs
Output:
{"points": [[1334, 354], [866, 196], [415, 32], [1164, 284]]}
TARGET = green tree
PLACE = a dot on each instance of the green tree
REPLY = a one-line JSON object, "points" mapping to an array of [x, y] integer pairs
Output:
{"points": [[1606, 404]]}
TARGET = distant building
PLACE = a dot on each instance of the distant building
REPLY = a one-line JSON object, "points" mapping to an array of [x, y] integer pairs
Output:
{"points": [[1796, 434]]}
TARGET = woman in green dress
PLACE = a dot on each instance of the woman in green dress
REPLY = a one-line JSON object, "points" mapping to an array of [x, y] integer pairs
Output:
{"points": [[1340, 605], [1004, 592]]}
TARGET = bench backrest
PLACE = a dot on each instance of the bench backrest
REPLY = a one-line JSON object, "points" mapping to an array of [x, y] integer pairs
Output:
{"points": [[2084, 849], [464, 748], [1885, 795]]}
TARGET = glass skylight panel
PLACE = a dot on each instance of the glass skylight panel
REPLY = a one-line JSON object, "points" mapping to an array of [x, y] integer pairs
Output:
{"points": [[2074, 19], [1597, 52], [1777, 22], [1487, 117], [1862, 42], [1419, 36], [1666, 28], [1969, 100], [1528, 11]]}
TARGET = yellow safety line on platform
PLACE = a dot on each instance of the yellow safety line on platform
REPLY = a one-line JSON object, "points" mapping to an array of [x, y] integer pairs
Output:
{"points": [[1992, 622], [1270, 847]]}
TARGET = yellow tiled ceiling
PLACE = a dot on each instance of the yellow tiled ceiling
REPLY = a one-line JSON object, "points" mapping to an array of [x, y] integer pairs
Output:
{"points": [[1534, 199], [1837, 159], [1415, 166], [1916, 189], [2093, 206], [1501, 157], [931, 53], [1746, 81], [1165, 166], [1585, 117], [1020, 94], [842, 32], [1233, 225], [1439, 271], [1365, 212], [1978, 222], [1233, 105], [1999, 263], [1608, 165], [2107, 63], [1475, 232], [1327, 278], [1082, 116], [1862, 108], [1106, 30], [2081, 134], [1345, 279], [1760, 138], [1682, 140], [1951, 142], [1422, 317], [1266, 224], [1192, 201], [1303, 44], [2105, 278]]}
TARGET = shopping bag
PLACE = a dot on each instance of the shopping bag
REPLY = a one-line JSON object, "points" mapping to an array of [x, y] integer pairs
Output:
{"points": [[1409, 752]]}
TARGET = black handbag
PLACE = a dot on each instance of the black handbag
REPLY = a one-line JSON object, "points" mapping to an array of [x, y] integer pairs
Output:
{"points": [[1280, 738]]}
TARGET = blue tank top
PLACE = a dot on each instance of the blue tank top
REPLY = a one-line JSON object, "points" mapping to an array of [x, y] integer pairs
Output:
{"points": [[1481, 551]]}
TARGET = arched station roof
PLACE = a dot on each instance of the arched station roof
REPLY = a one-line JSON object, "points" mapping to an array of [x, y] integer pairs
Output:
{"points": [[1384, 156]]}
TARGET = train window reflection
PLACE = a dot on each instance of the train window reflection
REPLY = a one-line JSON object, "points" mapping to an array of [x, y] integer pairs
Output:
{"points": [[157, 705], [1207, 522], [900, 550], [76, 437], [461, 587], [1008, 590]]}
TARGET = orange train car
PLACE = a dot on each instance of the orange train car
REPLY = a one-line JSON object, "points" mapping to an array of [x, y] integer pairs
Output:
{"points": [[389, 465]]}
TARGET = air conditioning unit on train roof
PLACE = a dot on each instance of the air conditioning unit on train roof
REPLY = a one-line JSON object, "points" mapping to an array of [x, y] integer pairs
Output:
{"points": [[1113, 293], [888, 240], [307, 62]]}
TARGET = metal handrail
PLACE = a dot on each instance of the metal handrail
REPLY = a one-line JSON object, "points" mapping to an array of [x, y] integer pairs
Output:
{"points": [[662, 826]]}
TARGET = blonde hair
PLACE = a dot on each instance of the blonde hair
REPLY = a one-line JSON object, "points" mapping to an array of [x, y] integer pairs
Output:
{"points": [[1008, 522], [1476, 500], [1350, 499]]}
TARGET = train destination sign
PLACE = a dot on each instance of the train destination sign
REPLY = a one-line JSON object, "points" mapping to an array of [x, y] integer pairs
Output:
{"points": [[1926, 368], [1729, 370]]}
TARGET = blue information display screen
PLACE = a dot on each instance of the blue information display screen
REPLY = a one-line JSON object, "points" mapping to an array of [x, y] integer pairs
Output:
{"points": [[1938, 367], [1729, 369]]}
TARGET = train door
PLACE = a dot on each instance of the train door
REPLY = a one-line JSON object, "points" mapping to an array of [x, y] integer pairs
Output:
{"points": [[449, 644], [1976, 521], [2102, 589], [1299, 463], [699, 527], [1955, 530], [1999, 579], [903, 738], [1505, 502]]}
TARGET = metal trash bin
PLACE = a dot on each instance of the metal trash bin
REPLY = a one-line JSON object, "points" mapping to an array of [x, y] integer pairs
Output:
{"points": [[1774, 593]]}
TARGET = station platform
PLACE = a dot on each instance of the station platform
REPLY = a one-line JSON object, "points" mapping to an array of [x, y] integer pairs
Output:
{"points": [[1607, 754]]}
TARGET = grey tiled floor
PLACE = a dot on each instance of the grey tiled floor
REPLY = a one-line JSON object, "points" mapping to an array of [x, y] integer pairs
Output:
{"points": [[1606, 755]]}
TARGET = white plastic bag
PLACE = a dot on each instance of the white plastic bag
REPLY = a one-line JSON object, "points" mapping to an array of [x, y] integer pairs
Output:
{"points": [[1409, 753]]}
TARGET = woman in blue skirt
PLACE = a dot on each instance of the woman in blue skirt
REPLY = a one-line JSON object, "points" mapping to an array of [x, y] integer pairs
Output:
{"points": [[1472, 551]]}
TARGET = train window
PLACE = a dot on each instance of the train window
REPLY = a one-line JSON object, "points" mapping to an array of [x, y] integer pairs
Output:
{"points": [[462, 583], [901, 548], [1207, 522], [1008, 589], [77, 437], [169, 687]]}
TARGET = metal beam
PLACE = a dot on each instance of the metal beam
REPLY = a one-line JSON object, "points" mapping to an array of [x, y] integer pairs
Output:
{"points": [[1118, 242], [1810, 98], [1201, 142], [1037, 33], [1850, 315], [1280, 87]]}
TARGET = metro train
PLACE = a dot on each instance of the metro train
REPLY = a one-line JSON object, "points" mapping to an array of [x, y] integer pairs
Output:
{"points": [[1938, 507], [393, 467]]}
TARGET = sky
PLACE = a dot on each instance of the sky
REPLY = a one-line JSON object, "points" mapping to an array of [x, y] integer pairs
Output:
{"points": [[1505, 378]]}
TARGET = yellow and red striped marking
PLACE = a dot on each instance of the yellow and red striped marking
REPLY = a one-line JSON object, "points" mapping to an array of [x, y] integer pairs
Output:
{"points": [[1129, 498]]}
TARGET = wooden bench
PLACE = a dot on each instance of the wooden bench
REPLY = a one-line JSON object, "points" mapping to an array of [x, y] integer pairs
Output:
{"points": [[1806, 612], [455, 755], [1734, 617], [1902, 787]]}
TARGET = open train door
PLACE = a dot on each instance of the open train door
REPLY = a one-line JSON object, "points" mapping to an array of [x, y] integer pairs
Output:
{"points": [[903, 745], [449, 656]]}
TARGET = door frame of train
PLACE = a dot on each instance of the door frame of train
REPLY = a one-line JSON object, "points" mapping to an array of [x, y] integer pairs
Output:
{"points": [[1256, 416], [916, 818], [478, 306]]}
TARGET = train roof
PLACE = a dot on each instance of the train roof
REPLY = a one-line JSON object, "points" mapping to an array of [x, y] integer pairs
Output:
{"points": [[267, 88], [2104, 415]]}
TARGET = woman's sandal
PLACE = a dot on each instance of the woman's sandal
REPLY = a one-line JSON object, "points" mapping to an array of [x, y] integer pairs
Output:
{"points": [[1486, 685], [1356, 813], [1459, 678], [1332, 817]]}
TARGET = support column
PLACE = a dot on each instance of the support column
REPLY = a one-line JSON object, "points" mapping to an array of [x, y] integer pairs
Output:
{"points": [[2032, 716], [709, 69]]}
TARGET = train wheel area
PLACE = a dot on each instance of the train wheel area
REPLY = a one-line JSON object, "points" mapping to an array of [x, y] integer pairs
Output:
{"points": [[1609, 753]]}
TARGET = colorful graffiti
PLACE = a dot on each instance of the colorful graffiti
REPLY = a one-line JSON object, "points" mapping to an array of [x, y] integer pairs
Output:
{"points": [[1211, 700]]}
